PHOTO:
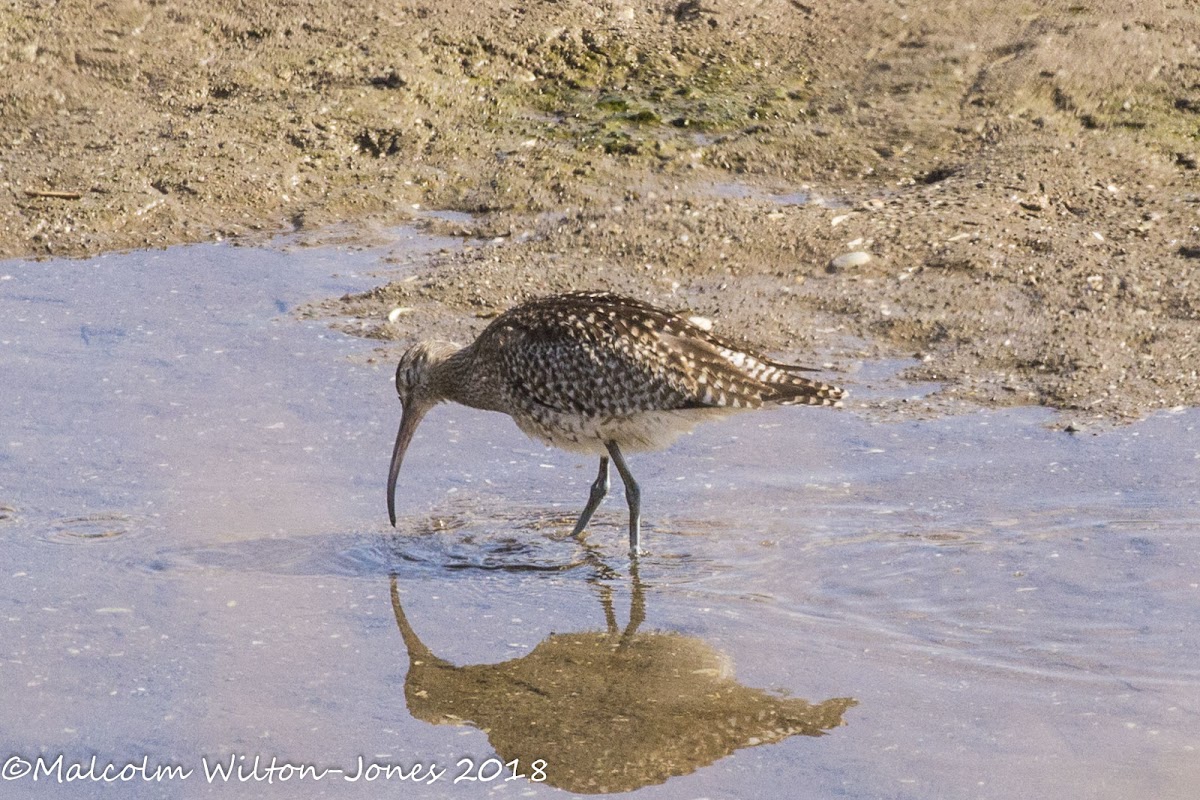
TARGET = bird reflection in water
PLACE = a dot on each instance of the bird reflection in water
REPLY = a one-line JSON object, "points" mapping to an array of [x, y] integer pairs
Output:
{"points": [[609, 711]]}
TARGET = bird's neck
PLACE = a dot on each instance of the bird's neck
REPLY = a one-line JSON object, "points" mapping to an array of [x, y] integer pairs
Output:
{"points": [[456, 378]]}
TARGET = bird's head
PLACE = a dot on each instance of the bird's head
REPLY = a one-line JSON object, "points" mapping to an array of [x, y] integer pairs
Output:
{"points": [[416, 374], [419, 383]]}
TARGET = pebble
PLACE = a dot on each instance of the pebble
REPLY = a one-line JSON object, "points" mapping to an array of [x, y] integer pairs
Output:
{"points": [[397, 313], [849, 260]]}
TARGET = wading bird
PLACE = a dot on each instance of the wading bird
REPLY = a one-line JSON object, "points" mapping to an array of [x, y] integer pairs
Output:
{"points": [[596, 373]]}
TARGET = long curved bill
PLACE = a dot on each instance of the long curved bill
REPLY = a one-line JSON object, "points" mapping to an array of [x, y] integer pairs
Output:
{"points": [[408, 424]]}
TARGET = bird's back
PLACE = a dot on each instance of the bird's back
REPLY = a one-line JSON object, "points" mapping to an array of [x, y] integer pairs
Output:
{"points": [[600, 354]]}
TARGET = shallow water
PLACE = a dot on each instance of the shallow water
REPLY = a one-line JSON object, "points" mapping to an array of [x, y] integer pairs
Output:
{"points": [[197, 564]]}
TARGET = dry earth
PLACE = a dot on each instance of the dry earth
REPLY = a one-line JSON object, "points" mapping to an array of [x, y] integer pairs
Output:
{"points": [[1023, 175]]}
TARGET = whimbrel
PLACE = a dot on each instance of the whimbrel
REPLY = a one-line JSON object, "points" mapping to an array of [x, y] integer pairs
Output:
{"points": [[595, 373]]}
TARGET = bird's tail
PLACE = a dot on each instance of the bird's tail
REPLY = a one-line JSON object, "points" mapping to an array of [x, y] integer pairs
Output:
{"points": [[786, 388]]}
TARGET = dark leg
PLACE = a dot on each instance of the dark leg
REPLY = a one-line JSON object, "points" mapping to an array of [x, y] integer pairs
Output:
{"points": [[633, 496], [637, 602], [599, 490]]}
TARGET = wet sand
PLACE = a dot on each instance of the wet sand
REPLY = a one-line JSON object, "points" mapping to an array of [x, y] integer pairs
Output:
{"points": [[1028, 201]]}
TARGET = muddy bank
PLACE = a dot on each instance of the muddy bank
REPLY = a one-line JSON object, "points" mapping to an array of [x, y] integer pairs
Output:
{"points": [[1029, 201]]}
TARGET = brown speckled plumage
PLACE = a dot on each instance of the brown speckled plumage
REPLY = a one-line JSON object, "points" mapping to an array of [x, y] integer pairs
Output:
{"points": [[597, 373]]}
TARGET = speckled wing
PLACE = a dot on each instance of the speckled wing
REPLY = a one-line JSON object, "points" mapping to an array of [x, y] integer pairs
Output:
{"points": [[602, 354]]}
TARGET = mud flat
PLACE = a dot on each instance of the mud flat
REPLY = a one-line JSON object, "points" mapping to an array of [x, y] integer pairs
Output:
{"points": [[1028, 201]]}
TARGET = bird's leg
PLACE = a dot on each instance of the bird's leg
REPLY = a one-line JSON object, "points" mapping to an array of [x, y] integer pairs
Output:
{"points": [[637, 603], [599, 490], [633, 496]]}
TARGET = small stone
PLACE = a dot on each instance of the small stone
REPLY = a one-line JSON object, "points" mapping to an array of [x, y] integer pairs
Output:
{"points": [[849, 260], [397, 313]]}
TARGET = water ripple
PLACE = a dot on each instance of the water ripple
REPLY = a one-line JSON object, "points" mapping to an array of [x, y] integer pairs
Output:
{"points": [[90, 528]]}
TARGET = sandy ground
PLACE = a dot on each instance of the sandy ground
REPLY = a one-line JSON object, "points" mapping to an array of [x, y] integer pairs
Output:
{"points": [[1023, 177]]}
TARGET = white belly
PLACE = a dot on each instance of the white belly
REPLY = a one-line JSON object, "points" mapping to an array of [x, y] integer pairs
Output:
{"points": [[646, 430]]}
